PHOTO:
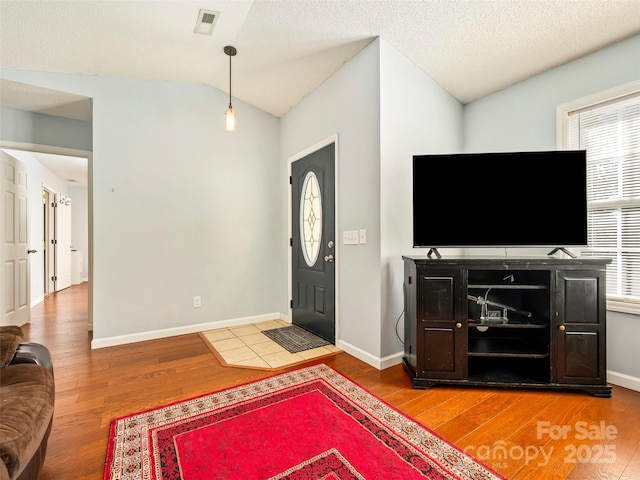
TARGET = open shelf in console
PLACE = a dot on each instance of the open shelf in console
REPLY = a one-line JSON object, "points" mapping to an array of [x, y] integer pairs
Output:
{"points": [[501, 371], [508, 318], [512, 347], [513, 299]]}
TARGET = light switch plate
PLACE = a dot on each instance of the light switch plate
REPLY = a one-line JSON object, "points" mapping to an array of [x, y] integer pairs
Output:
{"points": [[363, 236], [350, 237]]}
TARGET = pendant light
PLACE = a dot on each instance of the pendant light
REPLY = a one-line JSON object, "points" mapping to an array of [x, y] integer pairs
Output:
{"points": [[230, 114]]}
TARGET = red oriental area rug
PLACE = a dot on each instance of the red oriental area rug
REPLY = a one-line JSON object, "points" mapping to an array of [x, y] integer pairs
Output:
{"points": [[311, 423]]}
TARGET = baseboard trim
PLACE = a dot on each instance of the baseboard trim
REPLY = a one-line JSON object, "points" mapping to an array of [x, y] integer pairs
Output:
{"points": [[172, 332], [37, 301], [615, 378], [623, 380], [391, 360], [377, 362]]}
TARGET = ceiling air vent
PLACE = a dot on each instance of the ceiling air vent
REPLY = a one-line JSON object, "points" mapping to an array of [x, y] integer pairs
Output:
{"points": [[206, 21]]}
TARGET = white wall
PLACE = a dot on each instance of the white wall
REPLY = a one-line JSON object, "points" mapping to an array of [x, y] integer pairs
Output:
{"points": [[523, 117], [180, 207], [80, 225], [348, 104], [417, 116]]}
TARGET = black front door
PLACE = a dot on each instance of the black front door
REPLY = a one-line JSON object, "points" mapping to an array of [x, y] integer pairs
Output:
{"points": [[313, 242]]}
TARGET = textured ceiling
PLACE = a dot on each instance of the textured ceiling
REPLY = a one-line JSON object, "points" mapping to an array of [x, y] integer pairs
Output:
{"points": [[286, 48], [22, 96]]}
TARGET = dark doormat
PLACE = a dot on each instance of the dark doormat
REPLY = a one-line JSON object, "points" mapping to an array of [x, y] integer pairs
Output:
{"points": [[295, 339]]}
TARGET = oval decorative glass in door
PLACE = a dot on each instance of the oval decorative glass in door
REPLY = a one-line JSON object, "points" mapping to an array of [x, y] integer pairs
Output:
{"points": [[310, 218]]}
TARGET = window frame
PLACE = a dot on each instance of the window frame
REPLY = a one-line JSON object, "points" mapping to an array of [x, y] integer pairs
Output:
{"points": [[614, 303]]}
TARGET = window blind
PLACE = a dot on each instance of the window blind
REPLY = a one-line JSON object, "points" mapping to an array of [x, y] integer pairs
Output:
{"points": [[610, 133]]}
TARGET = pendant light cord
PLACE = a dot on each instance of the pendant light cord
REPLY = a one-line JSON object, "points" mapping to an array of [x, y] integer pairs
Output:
{"points": [[230, 81]]}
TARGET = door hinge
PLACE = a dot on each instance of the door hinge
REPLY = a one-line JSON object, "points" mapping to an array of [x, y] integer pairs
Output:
{"points": [[290, 180], [54, 241], [54, 204], [291, 242], [54, 278], [409, 280], [291, 304]]}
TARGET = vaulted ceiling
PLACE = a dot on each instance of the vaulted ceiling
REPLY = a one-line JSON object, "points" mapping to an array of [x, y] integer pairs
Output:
{"points": [[287, 48]]}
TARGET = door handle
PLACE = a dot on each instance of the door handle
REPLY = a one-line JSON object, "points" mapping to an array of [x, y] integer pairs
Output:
{"points": [[328, 258], [32, 251]]}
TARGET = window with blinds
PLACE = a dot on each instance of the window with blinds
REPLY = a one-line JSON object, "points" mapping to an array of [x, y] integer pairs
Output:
{"points": [[610, 133]]}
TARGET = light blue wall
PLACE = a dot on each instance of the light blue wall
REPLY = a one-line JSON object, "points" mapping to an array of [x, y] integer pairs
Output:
{"points": [[523, 117], [39, 129], [417, 116], [623, 343], [180, 207], [348, 105]]}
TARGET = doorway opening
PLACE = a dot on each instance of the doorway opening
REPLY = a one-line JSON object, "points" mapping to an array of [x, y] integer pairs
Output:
{"points": [[59, 233]]}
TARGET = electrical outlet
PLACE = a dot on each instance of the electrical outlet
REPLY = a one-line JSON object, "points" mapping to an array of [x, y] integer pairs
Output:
{"points": [[197, 301]]}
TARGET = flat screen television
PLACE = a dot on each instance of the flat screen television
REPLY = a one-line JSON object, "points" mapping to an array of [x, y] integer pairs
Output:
{"points": [[514, 199]]}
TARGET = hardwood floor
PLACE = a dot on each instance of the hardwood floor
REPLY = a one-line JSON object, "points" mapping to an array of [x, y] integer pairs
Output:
{"points": [[521, 434]]}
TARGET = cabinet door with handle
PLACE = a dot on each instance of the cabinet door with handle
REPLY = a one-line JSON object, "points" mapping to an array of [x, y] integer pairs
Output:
{"points": [[441, 324], [579, 327]]}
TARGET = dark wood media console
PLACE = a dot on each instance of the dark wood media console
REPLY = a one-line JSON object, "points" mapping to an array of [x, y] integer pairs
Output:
{"points": [[511, 322]]}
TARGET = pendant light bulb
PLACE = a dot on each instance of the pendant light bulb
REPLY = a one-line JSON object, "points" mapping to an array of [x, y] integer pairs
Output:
{"points": [[230, 119], [230, 114]]}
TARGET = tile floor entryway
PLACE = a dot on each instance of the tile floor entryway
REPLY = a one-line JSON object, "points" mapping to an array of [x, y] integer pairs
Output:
{"points": [[245, 346]]}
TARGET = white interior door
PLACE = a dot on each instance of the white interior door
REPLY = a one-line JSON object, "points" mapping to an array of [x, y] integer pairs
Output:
{"points": [[48, 241], [16, 309], [63, 242]]}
